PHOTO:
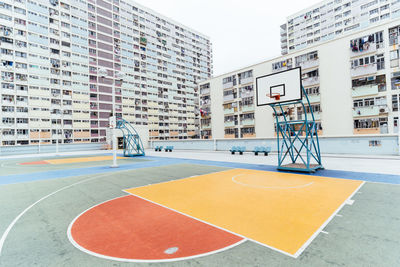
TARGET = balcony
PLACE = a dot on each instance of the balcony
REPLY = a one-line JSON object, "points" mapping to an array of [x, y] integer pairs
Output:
{"points": [[206, 126], [8, 114], [366, 131], [372, 49], [205, 91], [22, 125], [8, 137], [22, 136], [228, 97], [312, 98], [229, 124], [364, 70], [309, 64], [6, 102], [247, 122], [22, 103], [227, 85], [365, 90], [247, 108], [247, 93], [249, 135], [280, 69], [246, 80], [229, 111], [366, 111], [317, 116], [310, 81]]}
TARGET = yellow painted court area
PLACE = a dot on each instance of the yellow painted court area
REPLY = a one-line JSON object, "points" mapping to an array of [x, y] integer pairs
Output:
{"points": [[280, 210], [78, 160]]}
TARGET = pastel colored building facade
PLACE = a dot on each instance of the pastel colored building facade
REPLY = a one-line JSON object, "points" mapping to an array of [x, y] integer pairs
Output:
{"points": [[352, 81], [66, 66]]}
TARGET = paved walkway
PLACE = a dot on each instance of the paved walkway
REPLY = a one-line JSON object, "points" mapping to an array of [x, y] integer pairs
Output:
{"points": [[355, 163]]}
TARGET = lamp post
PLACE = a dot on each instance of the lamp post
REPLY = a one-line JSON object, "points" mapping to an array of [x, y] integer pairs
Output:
{"points": [[398, 126], [113, 121]]}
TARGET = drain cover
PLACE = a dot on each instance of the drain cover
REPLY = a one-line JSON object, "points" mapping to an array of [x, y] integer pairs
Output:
{"points": [[171, 250]]}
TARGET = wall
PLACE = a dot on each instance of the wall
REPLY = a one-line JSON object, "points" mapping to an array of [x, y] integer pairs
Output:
{"points": [[335, 86], [34, 149], [328, 145]]}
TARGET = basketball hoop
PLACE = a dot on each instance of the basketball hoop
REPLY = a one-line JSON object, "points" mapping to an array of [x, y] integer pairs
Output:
{"points": [[276, 96]]}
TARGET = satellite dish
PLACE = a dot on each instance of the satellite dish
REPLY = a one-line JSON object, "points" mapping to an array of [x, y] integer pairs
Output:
{"points": [[119, 75], [102, 72]]}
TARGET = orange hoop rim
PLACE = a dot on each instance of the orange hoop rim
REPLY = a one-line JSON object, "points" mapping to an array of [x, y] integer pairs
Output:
{"points": [[277, 96]]}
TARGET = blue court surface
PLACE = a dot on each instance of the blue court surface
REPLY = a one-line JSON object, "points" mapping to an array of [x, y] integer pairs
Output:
{"points": [[76, 210]]}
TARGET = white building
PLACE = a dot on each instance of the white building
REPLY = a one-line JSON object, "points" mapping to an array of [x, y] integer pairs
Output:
{"points": [[353, 83], [52, 88], [331, 19]]}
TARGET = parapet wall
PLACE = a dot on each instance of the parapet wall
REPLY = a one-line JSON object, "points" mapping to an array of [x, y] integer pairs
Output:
{"points": [[365, 145]]}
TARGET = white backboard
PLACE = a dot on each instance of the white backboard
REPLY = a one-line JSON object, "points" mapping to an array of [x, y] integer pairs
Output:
{"points": [[287, 83]]}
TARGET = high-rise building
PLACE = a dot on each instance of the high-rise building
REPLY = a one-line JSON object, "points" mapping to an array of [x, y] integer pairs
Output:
{"points": [[66, 66], [352, 82], [330, 19]]}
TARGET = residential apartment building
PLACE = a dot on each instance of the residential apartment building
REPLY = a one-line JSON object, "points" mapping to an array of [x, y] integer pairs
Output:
{"points": [[330, 19], [67, 65], [352, 82]]}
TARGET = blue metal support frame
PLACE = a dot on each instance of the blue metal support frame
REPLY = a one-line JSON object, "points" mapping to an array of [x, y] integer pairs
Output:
{"points": [[297, 140], [133, 145]]}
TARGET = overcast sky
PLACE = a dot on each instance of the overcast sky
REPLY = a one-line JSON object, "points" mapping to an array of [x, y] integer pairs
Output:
{"points": [[242, 32]]}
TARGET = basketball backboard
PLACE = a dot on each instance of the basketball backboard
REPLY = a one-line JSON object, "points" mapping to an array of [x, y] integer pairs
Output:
{"points": [[280, 87]]}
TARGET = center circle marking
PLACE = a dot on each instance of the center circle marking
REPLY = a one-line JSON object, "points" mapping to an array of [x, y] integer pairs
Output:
{"points": [[237, 181]]}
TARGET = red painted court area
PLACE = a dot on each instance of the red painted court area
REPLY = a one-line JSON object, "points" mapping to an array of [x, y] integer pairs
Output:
{"points": [[135, 229], [42, 162]]}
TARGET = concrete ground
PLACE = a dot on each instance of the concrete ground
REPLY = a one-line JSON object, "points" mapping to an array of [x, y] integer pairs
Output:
{"points": [[37, 207], [356, 163]]}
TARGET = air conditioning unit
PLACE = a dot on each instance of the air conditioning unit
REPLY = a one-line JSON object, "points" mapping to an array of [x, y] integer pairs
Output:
{"points": [[383, 110]]}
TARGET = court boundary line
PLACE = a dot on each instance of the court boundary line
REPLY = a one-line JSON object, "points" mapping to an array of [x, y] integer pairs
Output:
{"points": [[268, 187], [79, 247], [320, 229], [175, 180], [296, 254], [219, 227], [13, 222], [11, 225]]}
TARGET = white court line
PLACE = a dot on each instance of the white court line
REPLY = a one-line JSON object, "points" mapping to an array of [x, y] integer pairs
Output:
{"points": [[7, 231], [71, 239], [178, 179], [216, 226], [267, 187], [306, 244]]}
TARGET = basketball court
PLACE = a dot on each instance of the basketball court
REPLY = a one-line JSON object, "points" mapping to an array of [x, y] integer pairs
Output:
{"points": [[168, 209], [199, 209]]}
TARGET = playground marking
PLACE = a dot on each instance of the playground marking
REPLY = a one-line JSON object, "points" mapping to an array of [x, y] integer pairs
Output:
{"points": [[7, 231], [267, 187], [216, 200], [298, 253], [168, 251], [79, 160]]}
